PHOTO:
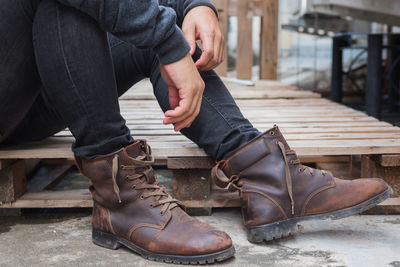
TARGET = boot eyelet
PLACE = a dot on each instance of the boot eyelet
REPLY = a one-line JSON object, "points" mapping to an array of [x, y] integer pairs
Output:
{"points": [[162, 213], [122, 167], [134, 186], [300, 170], [127, 177], [272, 133], [291, 162], [151, 205], [141, 197]]}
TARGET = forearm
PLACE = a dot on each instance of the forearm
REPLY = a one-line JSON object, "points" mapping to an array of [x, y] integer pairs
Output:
{"points": [[145, 24], [182, 7]]}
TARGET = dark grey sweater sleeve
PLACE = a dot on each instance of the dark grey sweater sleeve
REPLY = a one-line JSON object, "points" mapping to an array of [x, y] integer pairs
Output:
{"points": [[182, 7], [144, 23]]}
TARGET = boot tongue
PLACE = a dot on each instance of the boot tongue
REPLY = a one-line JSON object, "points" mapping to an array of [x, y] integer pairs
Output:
{"points": [[134, 150], [150, 176], [137, 150], [280, 136]]}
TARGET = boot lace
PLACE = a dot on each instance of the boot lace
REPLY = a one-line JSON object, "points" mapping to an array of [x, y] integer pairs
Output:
{"points": [[288, 175], [152, 190]]}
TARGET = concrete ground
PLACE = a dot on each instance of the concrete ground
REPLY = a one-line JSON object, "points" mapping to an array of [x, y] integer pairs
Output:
{"points": [[43, 240]]}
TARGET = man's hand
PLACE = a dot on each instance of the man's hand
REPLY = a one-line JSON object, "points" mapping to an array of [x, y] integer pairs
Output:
{"points": [[201, 23], [185, 87]]}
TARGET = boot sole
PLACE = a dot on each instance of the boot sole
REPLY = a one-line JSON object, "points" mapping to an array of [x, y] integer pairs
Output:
{"points": [[111, 241], [276, 230]]}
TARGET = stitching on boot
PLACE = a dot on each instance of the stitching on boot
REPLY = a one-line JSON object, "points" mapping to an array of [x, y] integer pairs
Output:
{"points": [[316, 192]]}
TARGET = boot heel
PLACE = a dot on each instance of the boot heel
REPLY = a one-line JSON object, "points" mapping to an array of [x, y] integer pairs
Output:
{"points": [[105, 240], [271, 231]]}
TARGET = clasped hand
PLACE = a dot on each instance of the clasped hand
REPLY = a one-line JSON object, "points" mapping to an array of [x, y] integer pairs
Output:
{"points": [[185, 85]]}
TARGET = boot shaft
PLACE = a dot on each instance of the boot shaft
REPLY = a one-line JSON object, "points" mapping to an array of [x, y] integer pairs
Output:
{"points": [[268, 172]]}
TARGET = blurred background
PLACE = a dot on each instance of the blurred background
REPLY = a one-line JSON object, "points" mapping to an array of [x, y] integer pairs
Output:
{"points": [[307, 57]]}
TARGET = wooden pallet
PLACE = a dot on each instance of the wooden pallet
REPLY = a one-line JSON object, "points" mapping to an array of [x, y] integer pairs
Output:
{"points": [[319, 130]]}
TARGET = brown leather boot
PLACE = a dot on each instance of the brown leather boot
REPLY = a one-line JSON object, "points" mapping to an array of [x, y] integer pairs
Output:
{"points": [[277, 191], [131, 209]]}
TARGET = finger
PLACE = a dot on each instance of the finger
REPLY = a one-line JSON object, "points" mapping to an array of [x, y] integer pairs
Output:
{"points": [[190, 35], [208, 50], [173, 95], [221, 53], [179, 121], [182, 112], [214, 62], [188, 122]]}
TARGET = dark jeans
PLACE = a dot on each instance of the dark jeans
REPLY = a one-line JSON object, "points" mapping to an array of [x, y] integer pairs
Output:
{"points": [[71, 75]]}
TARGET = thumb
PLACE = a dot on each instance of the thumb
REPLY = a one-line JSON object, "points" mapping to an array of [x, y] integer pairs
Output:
{"points": [[190, 35]]}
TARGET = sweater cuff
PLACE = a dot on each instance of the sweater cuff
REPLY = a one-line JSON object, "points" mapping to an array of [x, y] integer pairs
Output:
{"points": [[174, 48], [196, 3]]}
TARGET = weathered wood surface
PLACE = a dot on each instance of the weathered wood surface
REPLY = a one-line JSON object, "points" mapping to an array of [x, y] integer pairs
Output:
{"points": [[269, 40], [245, 10], [222, 7], [313, 126], [318, 129], [244, 58]]}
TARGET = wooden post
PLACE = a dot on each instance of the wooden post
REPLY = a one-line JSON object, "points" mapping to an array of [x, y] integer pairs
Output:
{"points": [[244, 59], [269, 41], [12, 182], [386, 167], [223, 6], [191, 181]]}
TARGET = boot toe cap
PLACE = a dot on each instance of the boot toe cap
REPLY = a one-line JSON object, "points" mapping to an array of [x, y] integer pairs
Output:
{"points": [[346, 193]]}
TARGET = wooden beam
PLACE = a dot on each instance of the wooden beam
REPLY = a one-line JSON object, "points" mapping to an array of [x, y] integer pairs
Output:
{"points": [[5, 163], [192, 184], [387, 160], [244, 58], [371, 168], [269, 41], [12, 182], [223, 6]]}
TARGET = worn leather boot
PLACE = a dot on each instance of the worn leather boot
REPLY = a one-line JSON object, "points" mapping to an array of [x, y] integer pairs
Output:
{"points": [[277, 191], [131, 209]]}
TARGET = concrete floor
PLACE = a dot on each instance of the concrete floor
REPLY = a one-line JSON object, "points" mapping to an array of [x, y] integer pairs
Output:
{"points": [[42, 240]]}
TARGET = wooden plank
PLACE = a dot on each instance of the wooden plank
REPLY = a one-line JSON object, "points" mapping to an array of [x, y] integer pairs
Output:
{"points": [[190, 163], [387, 160], [222, 6], [59, 148], [244, 58], [78, 198], [81, 198], [12, 182], [269, 40]]}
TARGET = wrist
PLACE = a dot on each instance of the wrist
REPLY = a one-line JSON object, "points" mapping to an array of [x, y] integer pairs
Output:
{"points": [[199, 3]]}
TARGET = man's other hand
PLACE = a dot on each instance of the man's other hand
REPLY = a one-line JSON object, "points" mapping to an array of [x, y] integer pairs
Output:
{"points": [[185, 87], [201, 23]]}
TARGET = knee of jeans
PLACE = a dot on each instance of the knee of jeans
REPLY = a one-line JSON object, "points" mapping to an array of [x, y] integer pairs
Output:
{"points": [[113, 41]]}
